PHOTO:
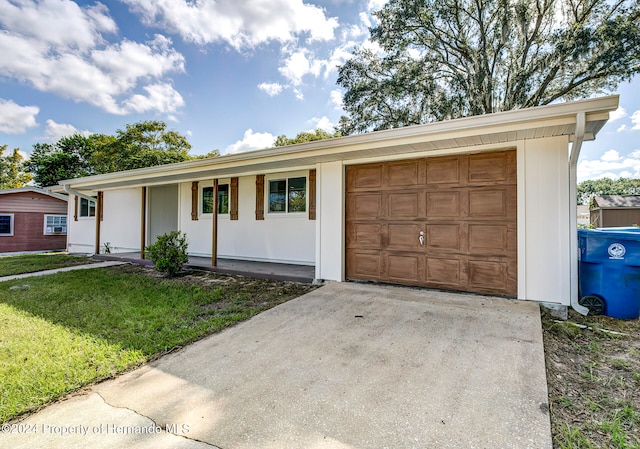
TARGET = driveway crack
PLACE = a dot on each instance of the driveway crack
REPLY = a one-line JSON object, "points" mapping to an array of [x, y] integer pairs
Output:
{"points": [[164, 428]]}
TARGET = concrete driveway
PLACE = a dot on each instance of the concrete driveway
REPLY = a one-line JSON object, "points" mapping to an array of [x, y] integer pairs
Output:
{"points": [[346, 366]]}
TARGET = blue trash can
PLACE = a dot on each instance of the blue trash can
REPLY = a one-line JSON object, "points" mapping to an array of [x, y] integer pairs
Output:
{"points": [[609, 271]]}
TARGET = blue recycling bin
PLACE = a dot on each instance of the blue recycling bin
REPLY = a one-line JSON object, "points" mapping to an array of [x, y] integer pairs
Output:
{"points": [[609, 271]]}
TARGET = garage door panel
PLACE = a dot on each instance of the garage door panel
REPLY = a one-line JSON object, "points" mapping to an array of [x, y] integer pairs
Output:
{"points": [[487, 168], [444, 204], [444, 237], [487, 275], [364, 235], [444, 170], [365, 177], [403, 268], [403, 173], [404, 205], [403, 236], [365, 265], [488, 239], [443, 271], [365, 206], [488, 203]]}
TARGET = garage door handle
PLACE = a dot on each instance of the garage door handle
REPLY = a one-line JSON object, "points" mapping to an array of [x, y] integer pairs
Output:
{"points": [[421, 238]]}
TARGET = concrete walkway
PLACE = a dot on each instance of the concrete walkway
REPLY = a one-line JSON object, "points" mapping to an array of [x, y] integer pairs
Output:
{"points": [[347, 366], [60, 270]]}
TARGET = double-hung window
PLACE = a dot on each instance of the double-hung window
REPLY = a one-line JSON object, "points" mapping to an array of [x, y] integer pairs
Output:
{"points": [[55, 224], [223, 199], [288, 195], [87, 208], [6, 225]]}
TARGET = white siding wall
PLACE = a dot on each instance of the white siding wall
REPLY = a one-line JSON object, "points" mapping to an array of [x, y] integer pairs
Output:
{"points": [[121, 224], [330, 207], [286, 238], [80, 234], [543, 220]]}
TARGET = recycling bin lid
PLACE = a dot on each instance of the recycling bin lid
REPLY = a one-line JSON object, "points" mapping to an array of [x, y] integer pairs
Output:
{"points": [[622, 233]]}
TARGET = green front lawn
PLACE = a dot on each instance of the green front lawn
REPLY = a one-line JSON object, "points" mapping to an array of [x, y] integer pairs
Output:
{"points": [[29, 263], [63, 331]]}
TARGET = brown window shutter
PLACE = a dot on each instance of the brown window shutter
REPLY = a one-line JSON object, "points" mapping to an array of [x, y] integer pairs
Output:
{"points": [[233, 206], [312, 194], [259, 197], [75, 208], [194, 200]]}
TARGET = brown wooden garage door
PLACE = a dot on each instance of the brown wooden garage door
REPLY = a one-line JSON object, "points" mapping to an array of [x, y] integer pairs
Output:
{"points": [[442, 222]]}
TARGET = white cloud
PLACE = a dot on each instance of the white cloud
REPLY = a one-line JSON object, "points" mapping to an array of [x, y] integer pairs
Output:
{"points": [[610, 156], [54, 131], [159, 97], [622, 127], [610, 165], [323, 123], [58, 46], [16, 119], [635, 119], [251, 141], [617, 114], [336, 99], [271, 89], [241, 24], [297, 65]]}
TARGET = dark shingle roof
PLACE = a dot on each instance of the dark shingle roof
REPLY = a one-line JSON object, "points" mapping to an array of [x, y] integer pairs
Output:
{"points": [[616, 201]]}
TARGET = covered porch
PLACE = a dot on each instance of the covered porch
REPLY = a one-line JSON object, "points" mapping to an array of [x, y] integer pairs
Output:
{"points": [[260, 270]]}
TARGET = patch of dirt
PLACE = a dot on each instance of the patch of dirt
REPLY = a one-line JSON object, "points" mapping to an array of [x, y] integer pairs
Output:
{"points": [[593, 378]]}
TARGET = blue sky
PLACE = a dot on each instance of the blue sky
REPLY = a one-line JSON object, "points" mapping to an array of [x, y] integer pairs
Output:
{"points": [[229, 74]]}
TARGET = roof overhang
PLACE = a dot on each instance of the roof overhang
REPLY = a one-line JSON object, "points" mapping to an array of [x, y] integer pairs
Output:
{"points": [[490, 129], [58, 196]]}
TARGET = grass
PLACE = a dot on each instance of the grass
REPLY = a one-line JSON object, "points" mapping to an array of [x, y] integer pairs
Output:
{"points": [[63, 331], [30, 263], [594, 382]]}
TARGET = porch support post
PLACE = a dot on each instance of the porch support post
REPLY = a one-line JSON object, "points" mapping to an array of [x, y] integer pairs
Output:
{"points": [[143, 222], [98, 217], [214, 226]]}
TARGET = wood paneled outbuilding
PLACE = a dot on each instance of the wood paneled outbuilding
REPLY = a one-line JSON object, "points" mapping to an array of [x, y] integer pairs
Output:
{"points": [[610, 211]]}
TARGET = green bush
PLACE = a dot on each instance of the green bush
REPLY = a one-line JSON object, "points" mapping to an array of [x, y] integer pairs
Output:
{"points": [[169, 252]]}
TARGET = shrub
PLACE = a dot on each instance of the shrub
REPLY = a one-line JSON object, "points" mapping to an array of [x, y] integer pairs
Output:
{"points": [[169, 252]]}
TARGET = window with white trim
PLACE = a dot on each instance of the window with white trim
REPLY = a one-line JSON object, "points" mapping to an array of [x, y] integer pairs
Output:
{"points": [[6, 225], [288, 195], [87, 208], [55, 224], [206, 206]]}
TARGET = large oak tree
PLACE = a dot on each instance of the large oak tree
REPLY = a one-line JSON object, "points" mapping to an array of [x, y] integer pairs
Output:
{"points": [[442, 59]]}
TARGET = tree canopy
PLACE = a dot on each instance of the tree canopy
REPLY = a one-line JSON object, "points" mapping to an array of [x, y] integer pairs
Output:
{"points": [[606, 186], [305, 136], [442, 59], [12, 174], [142, 144]]}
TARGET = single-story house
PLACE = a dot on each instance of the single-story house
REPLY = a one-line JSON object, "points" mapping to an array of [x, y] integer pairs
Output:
{"points": [[32, 219], [608, 211], [482, 204]]}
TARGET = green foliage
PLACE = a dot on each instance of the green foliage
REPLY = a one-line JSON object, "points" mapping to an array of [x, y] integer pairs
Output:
{"points": [[169, 252], [305, 136], [456, 58], [141, 144], [606, 186], [12, 173]]}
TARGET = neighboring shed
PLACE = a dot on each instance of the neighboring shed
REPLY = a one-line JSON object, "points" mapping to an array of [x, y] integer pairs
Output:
{"points": [[32, 219], [608, 211]]}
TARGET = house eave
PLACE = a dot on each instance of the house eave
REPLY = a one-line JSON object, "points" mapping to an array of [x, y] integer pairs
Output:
{"points": [[491, 129]]}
